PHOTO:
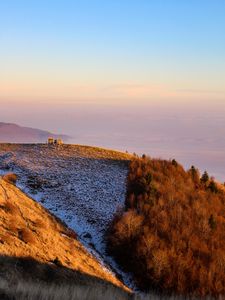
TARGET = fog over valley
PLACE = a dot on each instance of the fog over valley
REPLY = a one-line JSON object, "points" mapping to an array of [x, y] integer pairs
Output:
{"points": [[193, 134]]}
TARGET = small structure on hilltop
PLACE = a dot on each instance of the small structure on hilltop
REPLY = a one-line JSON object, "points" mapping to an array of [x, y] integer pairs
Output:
{"points": [[52, 141], [58, 141]]}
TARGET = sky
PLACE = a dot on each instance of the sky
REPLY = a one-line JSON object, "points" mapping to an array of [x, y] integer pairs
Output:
{"points": [[119, 51], [137, 75]]}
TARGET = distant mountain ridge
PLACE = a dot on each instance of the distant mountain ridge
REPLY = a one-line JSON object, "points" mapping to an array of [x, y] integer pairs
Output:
{"points": [[13, 133]]}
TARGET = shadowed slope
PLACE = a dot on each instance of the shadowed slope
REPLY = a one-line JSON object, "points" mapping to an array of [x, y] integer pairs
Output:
{"points": [[25, 278]]}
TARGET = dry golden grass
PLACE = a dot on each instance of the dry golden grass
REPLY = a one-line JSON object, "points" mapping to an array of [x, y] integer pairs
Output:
{"points": [[29, 230], [26, 278], [24, 290], [38, 291]]}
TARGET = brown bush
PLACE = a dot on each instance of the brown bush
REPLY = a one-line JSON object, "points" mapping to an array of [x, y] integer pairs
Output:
{"points": [[11, 178], [71, 233], [13, 227], [5, 238], [10, 207], [40, 223], [172, 232], [26, 236]]}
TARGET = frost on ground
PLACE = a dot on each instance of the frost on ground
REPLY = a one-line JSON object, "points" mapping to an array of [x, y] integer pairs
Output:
{"points": [[83, 186]]}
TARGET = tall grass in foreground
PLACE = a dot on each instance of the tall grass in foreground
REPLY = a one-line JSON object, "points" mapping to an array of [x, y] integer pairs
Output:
{"points": [[40, 291]]}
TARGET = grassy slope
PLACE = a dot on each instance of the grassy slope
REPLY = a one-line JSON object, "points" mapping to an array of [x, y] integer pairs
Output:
{"points": [[29, 230], [71, 150]]}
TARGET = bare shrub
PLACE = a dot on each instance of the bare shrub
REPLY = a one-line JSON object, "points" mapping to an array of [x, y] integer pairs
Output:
{"points": [[13, 228], [26, 236], [10, 178], [11, 208], [5, 238], [71, 233], [39, 223]]}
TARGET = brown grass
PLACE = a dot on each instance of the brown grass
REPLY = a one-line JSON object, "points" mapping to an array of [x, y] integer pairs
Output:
{"points": [[37, 291], [5, 238], [27, 229], [26, 278], [38, 223], [70, 151]]}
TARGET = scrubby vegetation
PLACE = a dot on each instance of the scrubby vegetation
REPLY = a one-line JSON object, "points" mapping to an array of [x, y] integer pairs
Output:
{"points": [[39, 291], [24, 278], [171, 234], [10, 177]]}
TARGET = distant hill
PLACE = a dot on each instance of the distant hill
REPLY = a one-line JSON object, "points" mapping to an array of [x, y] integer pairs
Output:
{"points": [[13, 133]]}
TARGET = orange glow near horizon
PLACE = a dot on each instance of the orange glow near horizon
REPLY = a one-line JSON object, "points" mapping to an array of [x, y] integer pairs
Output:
{"points": [[120, 94]]}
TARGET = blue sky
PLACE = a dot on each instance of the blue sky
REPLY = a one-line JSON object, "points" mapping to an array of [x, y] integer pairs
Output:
{"points": [[144, 75], [106, 50]]}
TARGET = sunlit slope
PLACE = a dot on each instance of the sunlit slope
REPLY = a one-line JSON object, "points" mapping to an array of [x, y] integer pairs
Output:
{"points": [[29, 230], [82, 185]]}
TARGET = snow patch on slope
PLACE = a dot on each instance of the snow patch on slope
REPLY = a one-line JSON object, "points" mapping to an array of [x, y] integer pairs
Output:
{"points": [[83, 191]]}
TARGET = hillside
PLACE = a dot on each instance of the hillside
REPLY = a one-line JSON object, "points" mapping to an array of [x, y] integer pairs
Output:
{"points": [[83, 186], [35, 245], [13, 133], [171, 232], [164, 225]]}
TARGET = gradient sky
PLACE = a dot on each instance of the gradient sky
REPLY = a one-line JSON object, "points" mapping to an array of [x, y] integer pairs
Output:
{"points": [[142, 75], [118, 51]]}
